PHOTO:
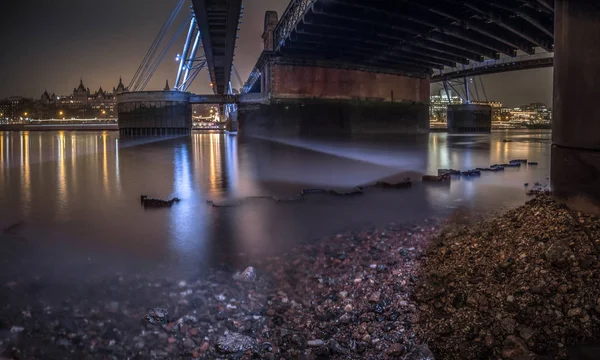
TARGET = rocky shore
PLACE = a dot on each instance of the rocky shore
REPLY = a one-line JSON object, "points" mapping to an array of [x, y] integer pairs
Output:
{"points": [[523, 285]]}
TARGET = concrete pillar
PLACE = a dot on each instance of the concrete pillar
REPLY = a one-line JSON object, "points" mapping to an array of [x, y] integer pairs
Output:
{"points": [[575, 172], [469, 118]]}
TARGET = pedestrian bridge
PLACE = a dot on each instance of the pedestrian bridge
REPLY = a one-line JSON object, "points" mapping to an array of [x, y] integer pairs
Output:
{"points": [[492, 66]]}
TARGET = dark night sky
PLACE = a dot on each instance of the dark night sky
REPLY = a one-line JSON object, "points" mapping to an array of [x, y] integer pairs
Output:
{"points": [[51, 44]]}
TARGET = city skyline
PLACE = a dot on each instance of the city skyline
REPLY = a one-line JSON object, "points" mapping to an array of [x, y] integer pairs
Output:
{"points": [[63, 44]]}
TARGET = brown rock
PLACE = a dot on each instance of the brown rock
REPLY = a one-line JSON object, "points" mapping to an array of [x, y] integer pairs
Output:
{"points": [[515, 348], [396, 350], [490, 341], [558, 253], [375, 296], [526, 333], [205, 345], [508, 324]]}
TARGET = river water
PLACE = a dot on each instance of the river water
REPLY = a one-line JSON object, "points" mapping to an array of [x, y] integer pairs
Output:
{"points": [[70, 201]]}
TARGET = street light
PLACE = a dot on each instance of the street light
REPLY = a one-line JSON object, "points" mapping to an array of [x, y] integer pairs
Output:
{"points": [[25, 114]]}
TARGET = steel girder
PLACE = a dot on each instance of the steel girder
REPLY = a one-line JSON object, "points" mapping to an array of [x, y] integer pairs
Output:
{"points": [[413, 35], [218, 24]]}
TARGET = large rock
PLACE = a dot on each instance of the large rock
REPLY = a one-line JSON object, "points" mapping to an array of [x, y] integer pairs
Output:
{"points": [[421, 352], [515, 348], [558, 253], [247, 275], [234, 342], [157, 316]]}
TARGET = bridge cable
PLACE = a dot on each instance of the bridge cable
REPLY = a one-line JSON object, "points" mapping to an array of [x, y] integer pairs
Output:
{"points": [[476, 90], [152, 66], [237, 76], [157, 40], [162, 55], [169, 24], [153, 51], [456, 91], [192, 77], [483, 89]]}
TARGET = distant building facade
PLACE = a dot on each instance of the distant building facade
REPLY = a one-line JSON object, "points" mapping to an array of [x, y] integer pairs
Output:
{"points": [[438, 107], [82, 103]]}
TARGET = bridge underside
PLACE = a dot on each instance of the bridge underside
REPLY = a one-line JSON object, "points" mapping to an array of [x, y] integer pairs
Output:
{"points": [[409, 37], [218, 22], [494, 69]]}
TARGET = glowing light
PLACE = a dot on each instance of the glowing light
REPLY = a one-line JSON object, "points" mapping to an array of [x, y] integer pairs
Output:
{"points": [[178, 57], [25, 114]]}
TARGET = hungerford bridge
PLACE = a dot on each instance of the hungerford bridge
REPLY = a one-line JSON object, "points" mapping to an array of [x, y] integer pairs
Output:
{"points": [[346, 67]]}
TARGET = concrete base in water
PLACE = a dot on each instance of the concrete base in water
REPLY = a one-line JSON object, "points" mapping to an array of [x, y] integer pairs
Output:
{"points": [[154, 113], [312, 117], [469, 118]]}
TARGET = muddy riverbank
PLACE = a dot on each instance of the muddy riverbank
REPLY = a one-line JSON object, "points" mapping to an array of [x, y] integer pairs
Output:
{"points": [[521, 285]]}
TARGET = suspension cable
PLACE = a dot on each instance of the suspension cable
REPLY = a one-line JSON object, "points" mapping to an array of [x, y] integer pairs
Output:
{"points": [[483, 89], [237, 75], [140, 73], [192, 77], [162, 55], [476, 90]]}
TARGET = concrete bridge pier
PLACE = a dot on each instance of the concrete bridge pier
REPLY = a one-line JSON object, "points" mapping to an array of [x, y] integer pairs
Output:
{"points": [[575, 172], [154, 113], [311, 100]]}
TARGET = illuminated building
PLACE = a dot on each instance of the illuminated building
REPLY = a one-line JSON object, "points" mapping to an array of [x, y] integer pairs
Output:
{"points": [[496, 109], [534, 113], [438, 108], [82, 103]]}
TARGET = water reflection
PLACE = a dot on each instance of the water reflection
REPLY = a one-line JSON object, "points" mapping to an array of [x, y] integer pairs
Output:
{"points": [[83, 195]]}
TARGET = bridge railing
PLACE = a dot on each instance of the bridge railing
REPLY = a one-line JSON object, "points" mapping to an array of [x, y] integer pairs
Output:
{"points": [[290, 17], [252, 79], [492, 62]]}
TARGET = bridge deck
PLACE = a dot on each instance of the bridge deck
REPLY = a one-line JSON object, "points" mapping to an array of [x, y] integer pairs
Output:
{"points": [[218, 22], [412, 37], [495, 66]]}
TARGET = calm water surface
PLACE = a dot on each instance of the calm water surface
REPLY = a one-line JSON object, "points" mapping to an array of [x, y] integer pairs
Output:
{"points": [[77, 194]]}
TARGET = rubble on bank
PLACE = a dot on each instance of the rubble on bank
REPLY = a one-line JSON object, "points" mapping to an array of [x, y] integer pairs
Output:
{"points": [[521, 285]]}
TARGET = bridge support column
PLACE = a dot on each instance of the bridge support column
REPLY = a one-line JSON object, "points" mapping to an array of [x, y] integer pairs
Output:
{"points": [[313, 100], [575, 172], [469, 118]]}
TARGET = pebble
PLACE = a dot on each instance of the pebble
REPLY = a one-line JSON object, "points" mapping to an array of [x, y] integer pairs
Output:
{"points": [[16, 329], [189, 343], [396, 349], [375, 296], [234, 342], [248, 275], [348, 308], [315, 343]]}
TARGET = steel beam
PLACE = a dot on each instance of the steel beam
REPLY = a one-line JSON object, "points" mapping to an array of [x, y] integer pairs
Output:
{"points": [[515, 29], [354, 55], [410, 38], [528, 17], [448, 27]]}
